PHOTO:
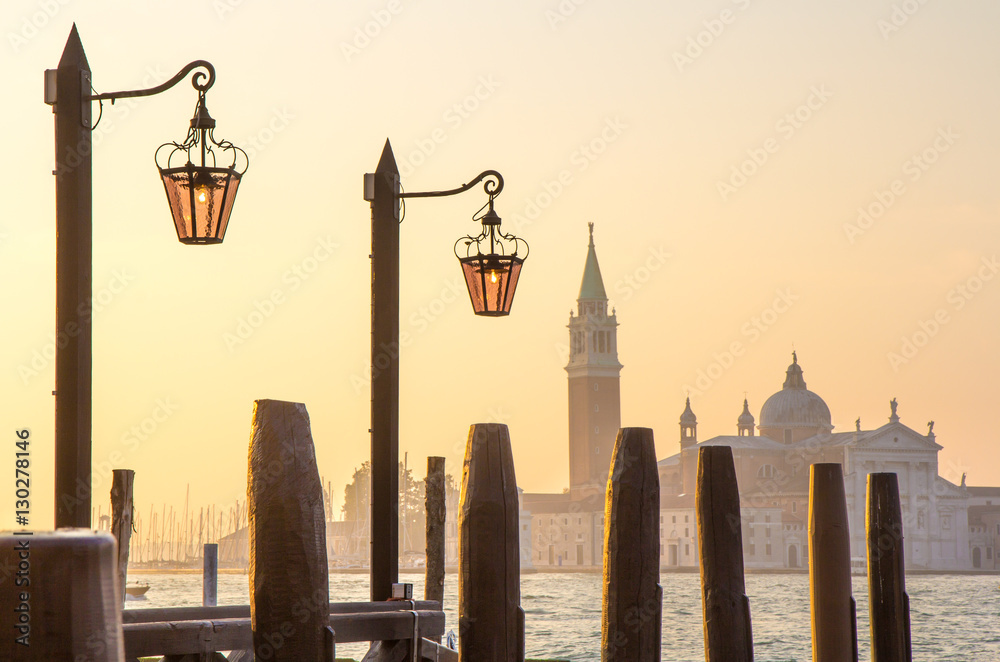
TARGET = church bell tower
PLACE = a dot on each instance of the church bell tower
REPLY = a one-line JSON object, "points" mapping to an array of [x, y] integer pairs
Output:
{"points": [[594, 374]]}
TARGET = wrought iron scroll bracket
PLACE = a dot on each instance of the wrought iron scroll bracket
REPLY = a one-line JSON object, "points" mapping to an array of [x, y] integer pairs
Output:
{"points": [[197, 81], [493, 185]]}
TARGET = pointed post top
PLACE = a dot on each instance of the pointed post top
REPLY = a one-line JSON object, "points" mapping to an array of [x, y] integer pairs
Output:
{"points": [[73, 54], [387, 162], [591, 227]]}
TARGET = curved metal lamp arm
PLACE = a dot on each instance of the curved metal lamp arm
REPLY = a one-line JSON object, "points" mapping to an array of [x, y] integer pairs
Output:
{"points": [[492, 188], [195, 81]]}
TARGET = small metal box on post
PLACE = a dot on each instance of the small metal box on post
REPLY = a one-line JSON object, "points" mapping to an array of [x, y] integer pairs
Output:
{"points": [[633, 599], [728, 633], [490, 618]]}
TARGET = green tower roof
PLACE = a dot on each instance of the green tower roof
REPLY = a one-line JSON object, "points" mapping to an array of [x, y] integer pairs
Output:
{"points": [[592, 286]]}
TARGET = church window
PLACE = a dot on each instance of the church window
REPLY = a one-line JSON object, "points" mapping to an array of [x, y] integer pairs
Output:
{"points": [[673, 520], [767, 533], [788, 436], [593, 341], [794, 506], [685, 532], [661, 550], [753, 549], [946, 521], [766, 471], [685, 518], [989, 553], [597, 430], [595, 386], [767, 548], [687, 550], [600, 342], [565, 537]]}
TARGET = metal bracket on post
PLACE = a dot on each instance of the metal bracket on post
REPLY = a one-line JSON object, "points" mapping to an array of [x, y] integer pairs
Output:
{"points": [[85, 88], [415, 657]]}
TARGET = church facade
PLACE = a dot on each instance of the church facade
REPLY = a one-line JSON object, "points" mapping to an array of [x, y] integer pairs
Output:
{"points": [[946, 526]]}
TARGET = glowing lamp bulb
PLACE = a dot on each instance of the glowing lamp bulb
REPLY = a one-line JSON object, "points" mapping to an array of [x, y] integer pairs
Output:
{"points": [[493, 276], [201, 196]]}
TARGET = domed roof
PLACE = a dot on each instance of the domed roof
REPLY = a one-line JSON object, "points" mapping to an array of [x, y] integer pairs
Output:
{"points": [[795, 406], [688, 417], [746, 418]]}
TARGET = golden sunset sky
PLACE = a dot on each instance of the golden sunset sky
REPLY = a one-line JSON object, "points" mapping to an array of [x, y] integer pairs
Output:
{"points": [[776, 175]]}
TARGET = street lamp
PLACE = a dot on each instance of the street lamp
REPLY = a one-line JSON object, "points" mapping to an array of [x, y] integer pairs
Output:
{"points": [[201, 199], [491, 278]]}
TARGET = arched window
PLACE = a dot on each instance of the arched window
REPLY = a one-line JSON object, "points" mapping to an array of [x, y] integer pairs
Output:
{"points": [[766, 471]]}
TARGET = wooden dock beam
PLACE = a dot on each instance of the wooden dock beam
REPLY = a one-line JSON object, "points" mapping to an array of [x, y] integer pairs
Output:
{"points": [[490, 618], [289, 581], [726, 609], [888, 604], [834, 621], [633, 599], [122, 481]]}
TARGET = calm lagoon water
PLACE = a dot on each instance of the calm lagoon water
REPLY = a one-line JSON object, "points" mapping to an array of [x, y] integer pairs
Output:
{"points": [[952, 617]]}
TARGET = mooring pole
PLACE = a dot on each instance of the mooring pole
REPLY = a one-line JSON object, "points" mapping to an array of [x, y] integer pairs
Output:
{"points": [[385, 376], [122, 481], [436, 515], [210, 575], [728, 636], [834, 622], [74, 286], [888, 604], [490, 618], [631, 616]]}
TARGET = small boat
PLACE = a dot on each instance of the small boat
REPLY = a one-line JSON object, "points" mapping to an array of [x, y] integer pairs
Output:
{"points": [[136, 590]]}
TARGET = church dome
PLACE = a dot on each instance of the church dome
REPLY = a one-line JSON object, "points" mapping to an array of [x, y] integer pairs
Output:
{"points": [[795, 406]]}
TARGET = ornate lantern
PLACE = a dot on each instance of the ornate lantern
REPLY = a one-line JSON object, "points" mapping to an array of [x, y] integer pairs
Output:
{"points": [[201, 193], [491, 277]]}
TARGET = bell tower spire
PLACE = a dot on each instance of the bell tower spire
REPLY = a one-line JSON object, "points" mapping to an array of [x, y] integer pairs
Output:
{"points": [[594, 386]]}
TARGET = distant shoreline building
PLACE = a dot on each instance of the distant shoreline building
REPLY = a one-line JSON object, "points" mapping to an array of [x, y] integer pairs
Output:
{"points": [[947, 527]]}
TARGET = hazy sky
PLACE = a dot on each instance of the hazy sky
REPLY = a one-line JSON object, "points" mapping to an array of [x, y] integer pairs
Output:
{"points": [[810, 175]]}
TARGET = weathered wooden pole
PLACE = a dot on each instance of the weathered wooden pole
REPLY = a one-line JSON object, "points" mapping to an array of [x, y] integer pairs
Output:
{"points": [[71, 609], [74, 286], [490, 618], [289, 584], [121, 519], [385, 376], [834, 622], [888, 604], [728, 635], [633, 599], [210, 575], [434, 502]]}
